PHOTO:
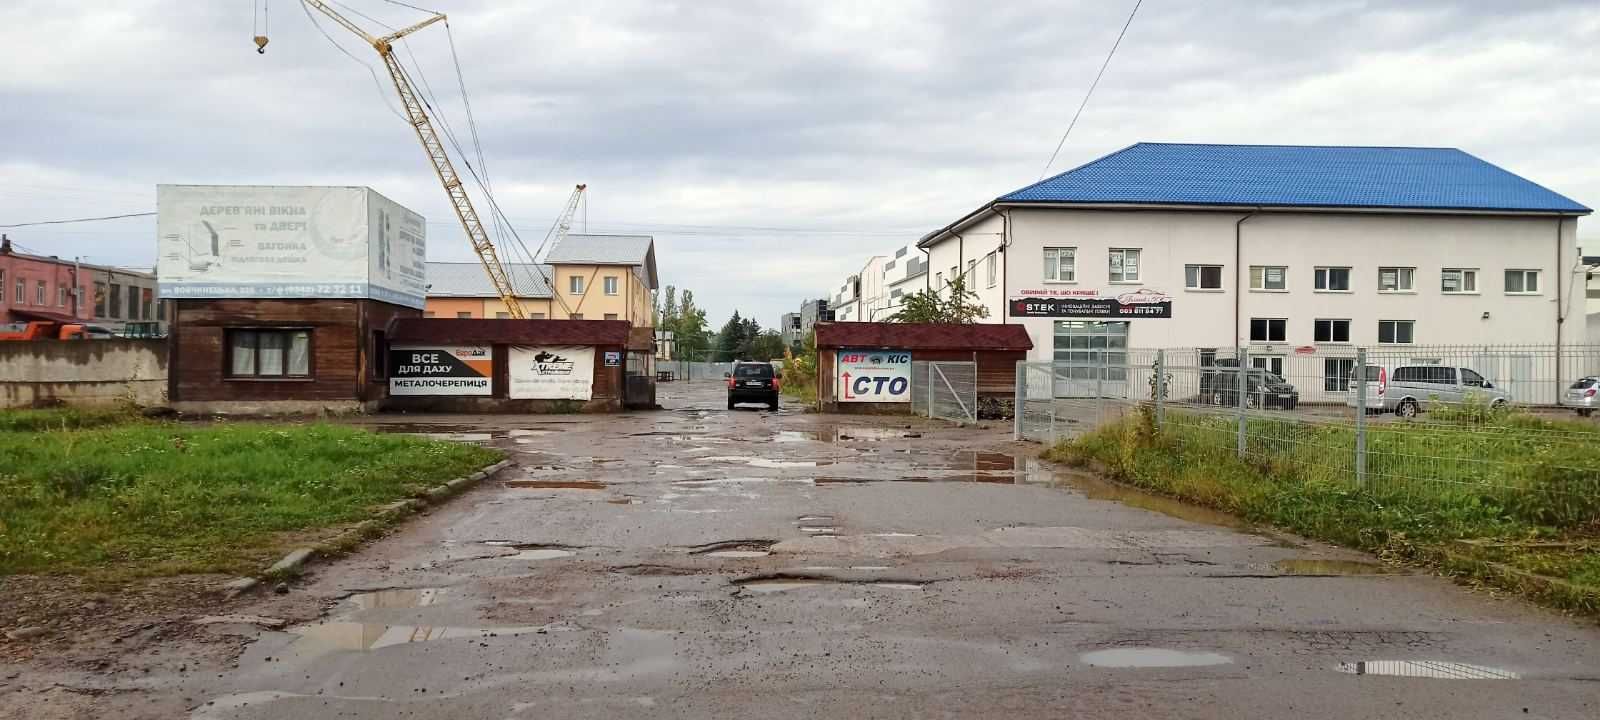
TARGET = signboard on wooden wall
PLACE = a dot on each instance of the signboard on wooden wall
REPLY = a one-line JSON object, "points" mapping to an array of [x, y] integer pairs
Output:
{"points": [[873, 376], [551, 372], [440, 370]]}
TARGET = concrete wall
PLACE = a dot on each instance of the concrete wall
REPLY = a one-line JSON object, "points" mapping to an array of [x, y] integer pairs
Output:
{"points": [[83, 372]]}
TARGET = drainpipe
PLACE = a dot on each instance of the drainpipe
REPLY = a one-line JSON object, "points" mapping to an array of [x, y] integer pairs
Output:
{"points": [[927, 268], [1005, 267], [961, 257], [77, 297], [1560, 316], [1238, 287]]}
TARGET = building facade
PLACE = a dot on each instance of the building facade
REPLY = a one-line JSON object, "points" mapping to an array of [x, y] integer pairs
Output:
{"points": [[38, 287], [593, 277], [1282, 251]]}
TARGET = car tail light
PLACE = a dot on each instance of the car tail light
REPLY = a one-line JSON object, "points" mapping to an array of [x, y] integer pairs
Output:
{"points": [[777, 384], [731, 383], [1589, 392], [1383, 380]]}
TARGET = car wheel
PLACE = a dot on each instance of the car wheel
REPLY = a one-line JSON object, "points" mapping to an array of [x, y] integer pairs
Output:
{"points": [[1251, 402], [730, 403], [1407, 409], [1217, 399]]}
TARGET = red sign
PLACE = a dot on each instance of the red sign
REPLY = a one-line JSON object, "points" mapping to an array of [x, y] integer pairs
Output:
{"points": [[1306, 350]]}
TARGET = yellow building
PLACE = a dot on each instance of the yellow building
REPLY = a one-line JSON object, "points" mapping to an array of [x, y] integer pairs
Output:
{"points": [[595, 277]]}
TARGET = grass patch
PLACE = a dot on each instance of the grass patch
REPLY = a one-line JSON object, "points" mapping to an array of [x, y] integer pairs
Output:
{"points": [[143, 498], [1511, 478], [66, 418]]}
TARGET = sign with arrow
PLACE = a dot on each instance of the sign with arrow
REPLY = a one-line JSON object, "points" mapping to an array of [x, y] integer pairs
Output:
{"points": [[876, 376]]}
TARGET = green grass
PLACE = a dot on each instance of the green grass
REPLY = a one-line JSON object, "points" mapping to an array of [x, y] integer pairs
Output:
{"points": [[1514, 479], [64, 418], [139, 498]]}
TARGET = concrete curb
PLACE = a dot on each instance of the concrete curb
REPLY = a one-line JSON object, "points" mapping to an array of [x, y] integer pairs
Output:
{"points": [[295, 562]]}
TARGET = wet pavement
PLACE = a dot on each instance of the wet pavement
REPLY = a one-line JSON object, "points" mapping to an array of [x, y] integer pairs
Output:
{"points": [[696, 562]]}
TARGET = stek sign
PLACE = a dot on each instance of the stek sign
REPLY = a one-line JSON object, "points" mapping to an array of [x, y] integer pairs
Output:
{"points": [[875, 376]]}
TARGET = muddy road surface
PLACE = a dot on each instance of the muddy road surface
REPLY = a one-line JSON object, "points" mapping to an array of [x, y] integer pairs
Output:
{"points": [[696, 562]]}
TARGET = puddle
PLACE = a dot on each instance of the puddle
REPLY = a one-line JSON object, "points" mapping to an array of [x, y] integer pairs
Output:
{"points": [[539, 554], [1095, 488], [556, 484], [817, 529], [872, 434], [815, 518], [896, 586], [769, 463], [480, 438], [1151, 658], [1315, 567], [1433, 669], [869, 567], [893, 535], [625, 501], [711, 482], [737, 553], [772, 586], [397, 598], [334, 636]]}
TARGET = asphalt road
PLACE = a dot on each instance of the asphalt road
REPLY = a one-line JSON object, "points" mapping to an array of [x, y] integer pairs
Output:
{"points": [[696, 562]]}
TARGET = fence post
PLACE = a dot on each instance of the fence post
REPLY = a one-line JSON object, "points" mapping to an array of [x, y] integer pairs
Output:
{"points": [[1019, 400], [1100, 391], [1161, 387], [1241, 392], [1361, 416], [930, 390], [1053, 402]]}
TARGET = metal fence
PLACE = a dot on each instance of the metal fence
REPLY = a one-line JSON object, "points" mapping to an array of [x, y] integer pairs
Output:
{"points": [[945, 390], [692, 370], [1453, 418]]}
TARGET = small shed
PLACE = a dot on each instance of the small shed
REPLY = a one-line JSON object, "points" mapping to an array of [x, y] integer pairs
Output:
{"points": [[505, 366], [877, 358]]}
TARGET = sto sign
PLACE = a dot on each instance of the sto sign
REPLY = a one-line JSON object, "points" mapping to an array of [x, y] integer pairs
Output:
{"points": [[877, 376]]}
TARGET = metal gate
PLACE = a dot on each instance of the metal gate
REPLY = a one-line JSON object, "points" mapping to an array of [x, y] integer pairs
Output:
{"points": [[945, 390]]}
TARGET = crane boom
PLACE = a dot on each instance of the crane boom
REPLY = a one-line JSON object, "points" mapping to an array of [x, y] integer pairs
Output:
{"points": [[418, 117], [564, 221]]}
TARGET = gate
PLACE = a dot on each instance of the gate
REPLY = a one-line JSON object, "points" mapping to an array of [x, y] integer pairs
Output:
{"points": [[945, 390]]}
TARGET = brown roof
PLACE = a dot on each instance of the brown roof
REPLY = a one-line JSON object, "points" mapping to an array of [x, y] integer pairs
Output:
{"points": [[464, 331], [922, 336]]}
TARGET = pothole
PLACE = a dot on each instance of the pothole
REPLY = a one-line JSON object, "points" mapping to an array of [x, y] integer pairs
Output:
{"points": [[738, 553], [625, 501], [1433, 669], [397, 598], [793, 581], [556, 484], [818, 529], [734, 548], [541, 554], [814, 519], [1145, 657], [1314, 567]]}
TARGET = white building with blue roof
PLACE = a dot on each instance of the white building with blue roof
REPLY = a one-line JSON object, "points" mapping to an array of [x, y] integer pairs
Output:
{"points": [[1298, 254]]}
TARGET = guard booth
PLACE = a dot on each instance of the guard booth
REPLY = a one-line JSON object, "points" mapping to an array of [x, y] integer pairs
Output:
{"points": [[639, 369], [869, 367]]}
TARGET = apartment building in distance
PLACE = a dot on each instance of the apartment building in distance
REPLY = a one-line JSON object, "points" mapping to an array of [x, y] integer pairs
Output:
{"points": [[46, 287], [584, 277]]}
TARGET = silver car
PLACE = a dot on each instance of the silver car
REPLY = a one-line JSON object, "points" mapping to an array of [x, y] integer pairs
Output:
{"points": [[1407, 390], [1581, 396]]}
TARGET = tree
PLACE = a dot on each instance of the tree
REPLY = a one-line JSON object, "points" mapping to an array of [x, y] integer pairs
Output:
{"points": [[767, 345], [932, 306], [731, 339], [692, 340]]}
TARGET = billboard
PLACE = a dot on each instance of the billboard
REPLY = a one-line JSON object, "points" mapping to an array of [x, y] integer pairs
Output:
{"points": [[242, 241], [876, 376], [551, 372], [1141, 303], [440, 370]]}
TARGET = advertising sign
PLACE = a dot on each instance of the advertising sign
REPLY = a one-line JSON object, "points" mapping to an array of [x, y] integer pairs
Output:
{"points": [[288, 242], [552, 372], [439, 370], [1142, 303], [878, 376], [613, 358]]}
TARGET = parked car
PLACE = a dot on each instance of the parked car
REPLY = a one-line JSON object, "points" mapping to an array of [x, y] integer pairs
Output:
{"points": [[1264, 389], [753, 382], [1581, 396], [1407, 390]]}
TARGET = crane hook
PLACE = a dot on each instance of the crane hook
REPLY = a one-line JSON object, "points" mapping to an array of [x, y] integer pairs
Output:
{"points": [[261, 44]]}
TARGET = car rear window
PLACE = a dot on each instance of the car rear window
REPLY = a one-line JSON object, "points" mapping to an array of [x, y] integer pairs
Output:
{"points": [[1585, 383], [753, 371]]}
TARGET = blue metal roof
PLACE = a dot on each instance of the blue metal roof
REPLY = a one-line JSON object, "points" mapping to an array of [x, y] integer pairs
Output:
{"points": [[1297, 176]]}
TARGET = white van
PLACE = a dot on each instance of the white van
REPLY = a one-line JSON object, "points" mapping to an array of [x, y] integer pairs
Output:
{"points": [[1407, 390]]}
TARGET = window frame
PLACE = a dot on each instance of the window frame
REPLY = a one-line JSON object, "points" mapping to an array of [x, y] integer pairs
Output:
{"points": [[1199, 285], [991, 270], [2, 286], [1316, 330], [611, 285], [575, 285], [1071, 256], [22, 291], [1394, 333], [1461, 279], [1122, 253], [1283, 327], [61, 296], [228, 373], [1525, 273], [1323, 274], [41, 293], [1283, 277], [1410, 288], [1343, 371]]}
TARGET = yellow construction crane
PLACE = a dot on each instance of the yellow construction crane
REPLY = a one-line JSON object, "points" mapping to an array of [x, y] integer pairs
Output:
{"points": [[433, 146]]}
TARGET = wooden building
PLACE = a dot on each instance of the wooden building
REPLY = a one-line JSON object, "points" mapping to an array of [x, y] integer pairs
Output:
{"points": [[996, 350]]}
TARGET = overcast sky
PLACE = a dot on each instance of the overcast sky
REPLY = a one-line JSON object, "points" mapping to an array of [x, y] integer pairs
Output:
{"points": [[768, 146]]}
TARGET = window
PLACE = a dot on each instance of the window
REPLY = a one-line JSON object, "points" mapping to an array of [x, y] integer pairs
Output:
{"points": [[888, 266], [1270, 363], [77, 303], [536, 316], [1337, 373], [990, 269], [1332, 331], [1458, 280], [1332, 279], [972, 270], [61, 296], [610, 284], [1397, 279], [1522, 282], [938, 281], [611, 316], [133, 303], [901, 253], [1430, 374], [1202, 277], [147, 298], [99, 299], [1396, 331], [1124, 265], [115, 295], [22, 291], [429, 314], [464, 315], [2, 287], [502, 316], [1267, 329], [1060, 264], [1089, 350], [41, 293], [575, 285], [269, 353], [1269, 277], [576, 316], [1471, 378]]}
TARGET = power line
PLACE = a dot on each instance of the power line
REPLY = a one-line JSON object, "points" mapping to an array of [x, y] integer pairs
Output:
{"points": [[374, 73], [78, 220], [1092, 86]]}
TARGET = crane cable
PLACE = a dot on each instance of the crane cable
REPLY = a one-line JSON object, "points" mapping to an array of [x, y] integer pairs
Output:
{"points": [[382, 94]]}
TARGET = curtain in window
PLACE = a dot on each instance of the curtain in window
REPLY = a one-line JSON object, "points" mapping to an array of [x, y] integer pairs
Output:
{"points": [[243, 351], [300, 352], [271, 356]]}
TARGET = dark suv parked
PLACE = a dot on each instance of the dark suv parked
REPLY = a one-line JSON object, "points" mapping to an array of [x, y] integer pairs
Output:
{"points": [[753, 382], [1219, 385]]}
